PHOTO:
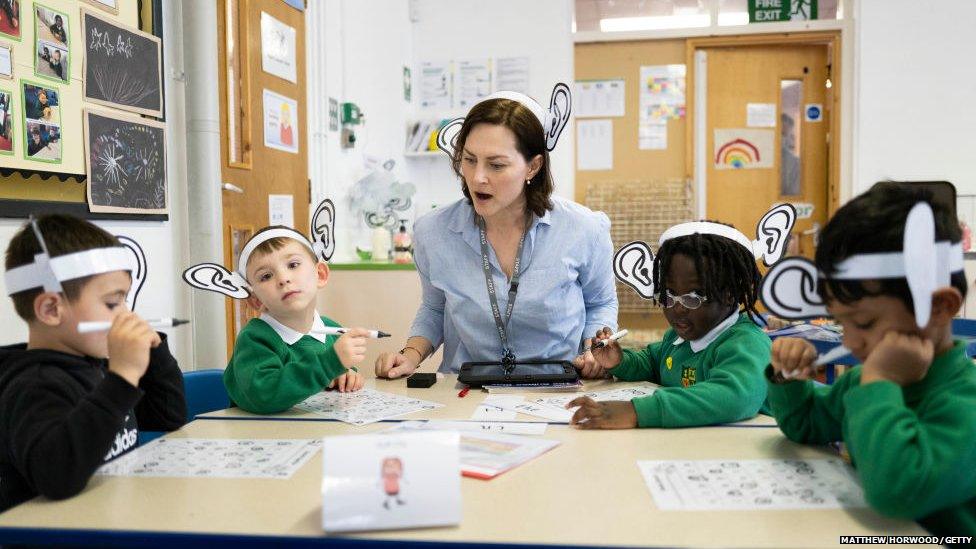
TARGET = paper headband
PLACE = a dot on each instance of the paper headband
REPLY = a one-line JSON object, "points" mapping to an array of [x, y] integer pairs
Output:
{"points": [[553, 120], [632, 263], [789, 288], [214, 277]]}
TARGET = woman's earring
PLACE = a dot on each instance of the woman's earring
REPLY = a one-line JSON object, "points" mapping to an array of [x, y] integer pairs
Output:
{"points": [[528, 181]]}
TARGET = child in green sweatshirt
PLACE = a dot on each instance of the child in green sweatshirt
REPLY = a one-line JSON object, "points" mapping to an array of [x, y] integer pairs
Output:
{"points": [[711, 360], [286, 356], [907, 414]]}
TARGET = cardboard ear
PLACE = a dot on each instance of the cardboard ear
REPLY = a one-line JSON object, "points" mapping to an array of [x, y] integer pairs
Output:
{"points": [[140, 269], [323, 230], [921, 267], [215, 278], [789, 290], [560, 108], [447, 136], [773, 233], [633, 265]]}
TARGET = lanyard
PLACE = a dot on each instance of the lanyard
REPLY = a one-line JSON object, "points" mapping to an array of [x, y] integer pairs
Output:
{"points": [[508, 357]]}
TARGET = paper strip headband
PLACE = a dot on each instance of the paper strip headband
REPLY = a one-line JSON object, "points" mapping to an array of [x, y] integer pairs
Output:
{"points": [[632, 263], [789, 289], [553, 120], [214, 277]]}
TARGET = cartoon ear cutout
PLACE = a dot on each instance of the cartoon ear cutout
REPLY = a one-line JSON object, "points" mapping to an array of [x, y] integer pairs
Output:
{"points": [[560, 107], [323, 230], [773, 233], [633, 265], [215, 278], [789, 290], [140, 269], [447, 136], [921, 260]]}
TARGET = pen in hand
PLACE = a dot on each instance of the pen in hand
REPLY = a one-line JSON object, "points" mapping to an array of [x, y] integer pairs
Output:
{"points": [[375, 334], [101, 326]]}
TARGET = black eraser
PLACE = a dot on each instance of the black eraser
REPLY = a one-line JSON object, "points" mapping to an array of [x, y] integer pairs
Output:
{"points": [[421, 381]]}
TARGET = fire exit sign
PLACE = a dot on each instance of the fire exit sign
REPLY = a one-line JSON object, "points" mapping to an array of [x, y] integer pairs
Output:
{"points": [[766, 11]]}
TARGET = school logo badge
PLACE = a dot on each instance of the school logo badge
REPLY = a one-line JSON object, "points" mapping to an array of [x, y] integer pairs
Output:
{"points": [[669, 363], [688, 376]]}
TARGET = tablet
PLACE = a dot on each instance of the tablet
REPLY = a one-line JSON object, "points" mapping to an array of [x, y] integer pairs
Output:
{"points": [[476, 374]]}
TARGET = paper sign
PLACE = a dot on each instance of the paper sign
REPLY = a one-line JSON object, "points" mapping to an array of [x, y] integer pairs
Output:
{"points": [[280, 119], [278, 48], [599, 98], [652, 136], [804, 210], [281, 210], [391, 480], [512, 74], [743, 148], [813, 112], [761, 115], [436, 85], [473, 82], [594, 144]]}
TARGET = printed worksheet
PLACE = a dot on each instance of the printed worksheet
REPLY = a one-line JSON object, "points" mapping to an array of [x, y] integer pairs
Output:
{"points": [[506, 427], [218, 458], [364, 406], [619, 393], [704, 485]]}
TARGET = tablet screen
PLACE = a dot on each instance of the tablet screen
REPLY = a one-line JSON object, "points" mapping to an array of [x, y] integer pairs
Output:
{"points": [[554, 368]]}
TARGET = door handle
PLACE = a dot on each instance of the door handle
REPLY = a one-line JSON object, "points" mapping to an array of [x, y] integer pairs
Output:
{"points": [[231, 187]]}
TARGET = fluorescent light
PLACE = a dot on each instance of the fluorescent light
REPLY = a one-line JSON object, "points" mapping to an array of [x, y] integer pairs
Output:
{"points": [[729, 19], [660, 22]]}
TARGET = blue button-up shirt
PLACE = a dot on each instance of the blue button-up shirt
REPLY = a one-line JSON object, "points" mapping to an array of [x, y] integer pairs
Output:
{"points": [[566, 287]]}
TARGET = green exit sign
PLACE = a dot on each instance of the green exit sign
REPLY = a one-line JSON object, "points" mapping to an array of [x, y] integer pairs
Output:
{"points": [[766, 11]]}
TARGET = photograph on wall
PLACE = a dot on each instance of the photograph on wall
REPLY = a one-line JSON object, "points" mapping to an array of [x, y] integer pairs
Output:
{"points": [[6, 122], [125, 160], [123, 66], [10, 18], [6, 61], [51, 26], [111, 6], [52, 61], [280, 119], [42, 122]]}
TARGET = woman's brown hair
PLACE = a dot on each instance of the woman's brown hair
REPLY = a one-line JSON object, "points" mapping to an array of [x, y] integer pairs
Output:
{"points": [[530, 140]]}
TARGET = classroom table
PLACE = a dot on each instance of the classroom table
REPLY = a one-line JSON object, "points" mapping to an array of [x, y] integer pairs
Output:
{"points": [[587, 491], [445, 391]]}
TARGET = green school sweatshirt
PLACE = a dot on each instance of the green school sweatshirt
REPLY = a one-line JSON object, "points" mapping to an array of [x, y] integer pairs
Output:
{"points": [[721, 383], [914, 448], [265, 375]]}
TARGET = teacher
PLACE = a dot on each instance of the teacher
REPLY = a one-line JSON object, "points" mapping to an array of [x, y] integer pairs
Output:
{"points": [[509, 270]]}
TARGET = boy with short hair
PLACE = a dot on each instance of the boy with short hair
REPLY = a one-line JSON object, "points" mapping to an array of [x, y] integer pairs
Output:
{"points": [[907, 414], [285, 356], [71, 401]]}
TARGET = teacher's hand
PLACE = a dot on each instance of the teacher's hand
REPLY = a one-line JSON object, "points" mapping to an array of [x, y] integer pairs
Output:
{"points": [[394, 365]]}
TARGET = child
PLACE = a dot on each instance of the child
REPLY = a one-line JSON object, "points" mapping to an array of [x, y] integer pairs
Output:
{"points": [[710, 362], [284, 357], [64, 408], [907, 414]]}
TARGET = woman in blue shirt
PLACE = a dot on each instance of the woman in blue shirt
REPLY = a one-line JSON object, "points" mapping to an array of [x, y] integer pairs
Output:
{"points": [[507, 238]]}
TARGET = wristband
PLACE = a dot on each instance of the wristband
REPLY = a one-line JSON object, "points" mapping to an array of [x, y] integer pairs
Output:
{"points": [[414, 349]]}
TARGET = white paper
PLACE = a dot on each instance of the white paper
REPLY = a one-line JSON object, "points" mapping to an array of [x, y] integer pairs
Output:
{"points": [[662, 93], [512, 74], [620, 393], [761, 115], [703, 485], [743, 148], [278, 48], [506, 427], [652, 136], [214, 458], [487, 412], [281, 210], [473, 82], [594, 144], [599, 98], [280, 122], [363, 406], [391, 480], [435, 85], [6, 66], [551, 413]]}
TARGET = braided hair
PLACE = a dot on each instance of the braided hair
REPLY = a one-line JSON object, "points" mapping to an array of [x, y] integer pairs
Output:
{"points": [[726, 269]]}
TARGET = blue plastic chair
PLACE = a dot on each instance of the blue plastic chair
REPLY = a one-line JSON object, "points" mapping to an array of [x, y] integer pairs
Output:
{"points": [[965, 329], [205, 392]]}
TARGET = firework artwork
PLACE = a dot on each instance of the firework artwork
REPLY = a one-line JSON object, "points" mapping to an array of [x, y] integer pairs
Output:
{"points": [[122, 66], [126, 163]]}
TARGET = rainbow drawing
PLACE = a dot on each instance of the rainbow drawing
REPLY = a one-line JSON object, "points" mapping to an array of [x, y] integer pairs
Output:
{"points": [[738, 153]]}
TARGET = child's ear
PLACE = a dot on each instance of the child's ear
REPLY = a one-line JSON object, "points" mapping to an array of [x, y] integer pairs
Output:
{"points": [[946, 303], [322, 274], [49, 308], [254, 302]]}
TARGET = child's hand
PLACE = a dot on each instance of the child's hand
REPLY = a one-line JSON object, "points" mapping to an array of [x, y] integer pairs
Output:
{"points": [[901, 358], [793, 358], [594, 362], [129, 341], [776, 323], [602, 415], [349, 382], [351, 346], [394, 365]]}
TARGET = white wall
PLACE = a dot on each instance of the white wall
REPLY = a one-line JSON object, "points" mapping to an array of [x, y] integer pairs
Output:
{"points": [[915, 104], [164, 293]]}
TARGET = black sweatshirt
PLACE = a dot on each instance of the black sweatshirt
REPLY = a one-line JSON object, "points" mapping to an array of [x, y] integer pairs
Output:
{"points": [[62, 416]]}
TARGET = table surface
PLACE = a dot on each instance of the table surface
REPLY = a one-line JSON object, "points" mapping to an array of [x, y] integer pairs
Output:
{"points": [[587, 491]]}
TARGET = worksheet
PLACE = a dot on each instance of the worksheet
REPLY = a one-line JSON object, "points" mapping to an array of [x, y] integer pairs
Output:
{"points": [[752, 484], [506, 427], [619, 393], [363, 406], [217, 458]]}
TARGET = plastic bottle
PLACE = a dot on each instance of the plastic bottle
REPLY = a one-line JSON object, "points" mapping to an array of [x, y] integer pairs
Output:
{"points": [[402, 244]]}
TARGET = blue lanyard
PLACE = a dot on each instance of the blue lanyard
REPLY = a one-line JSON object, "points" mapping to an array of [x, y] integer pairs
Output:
{"points": [[508, 357]]}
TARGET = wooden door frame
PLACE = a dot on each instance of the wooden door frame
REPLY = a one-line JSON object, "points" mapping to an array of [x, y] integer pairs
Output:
{"points": [[831, 39]]}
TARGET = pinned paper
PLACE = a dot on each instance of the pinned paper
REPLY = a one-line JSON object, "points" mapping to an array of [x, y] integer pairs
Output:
{"points": [[742, 148], [594, 144], [761, 115]]}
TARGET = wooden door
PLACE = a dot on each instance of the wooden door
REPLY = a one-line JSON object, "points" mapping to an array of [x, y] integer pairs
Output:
{"points": [[252, 170], [780, 153]]}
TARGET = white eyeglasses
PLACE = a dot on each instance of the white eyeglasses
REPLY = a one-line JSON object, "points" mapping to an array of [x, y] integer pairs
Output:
{"points": [[690, 301]]}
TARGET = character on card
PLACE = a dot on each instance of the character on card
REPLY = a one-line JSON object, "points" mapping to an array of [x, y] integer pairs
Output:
{"points": [[391, 474]]}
